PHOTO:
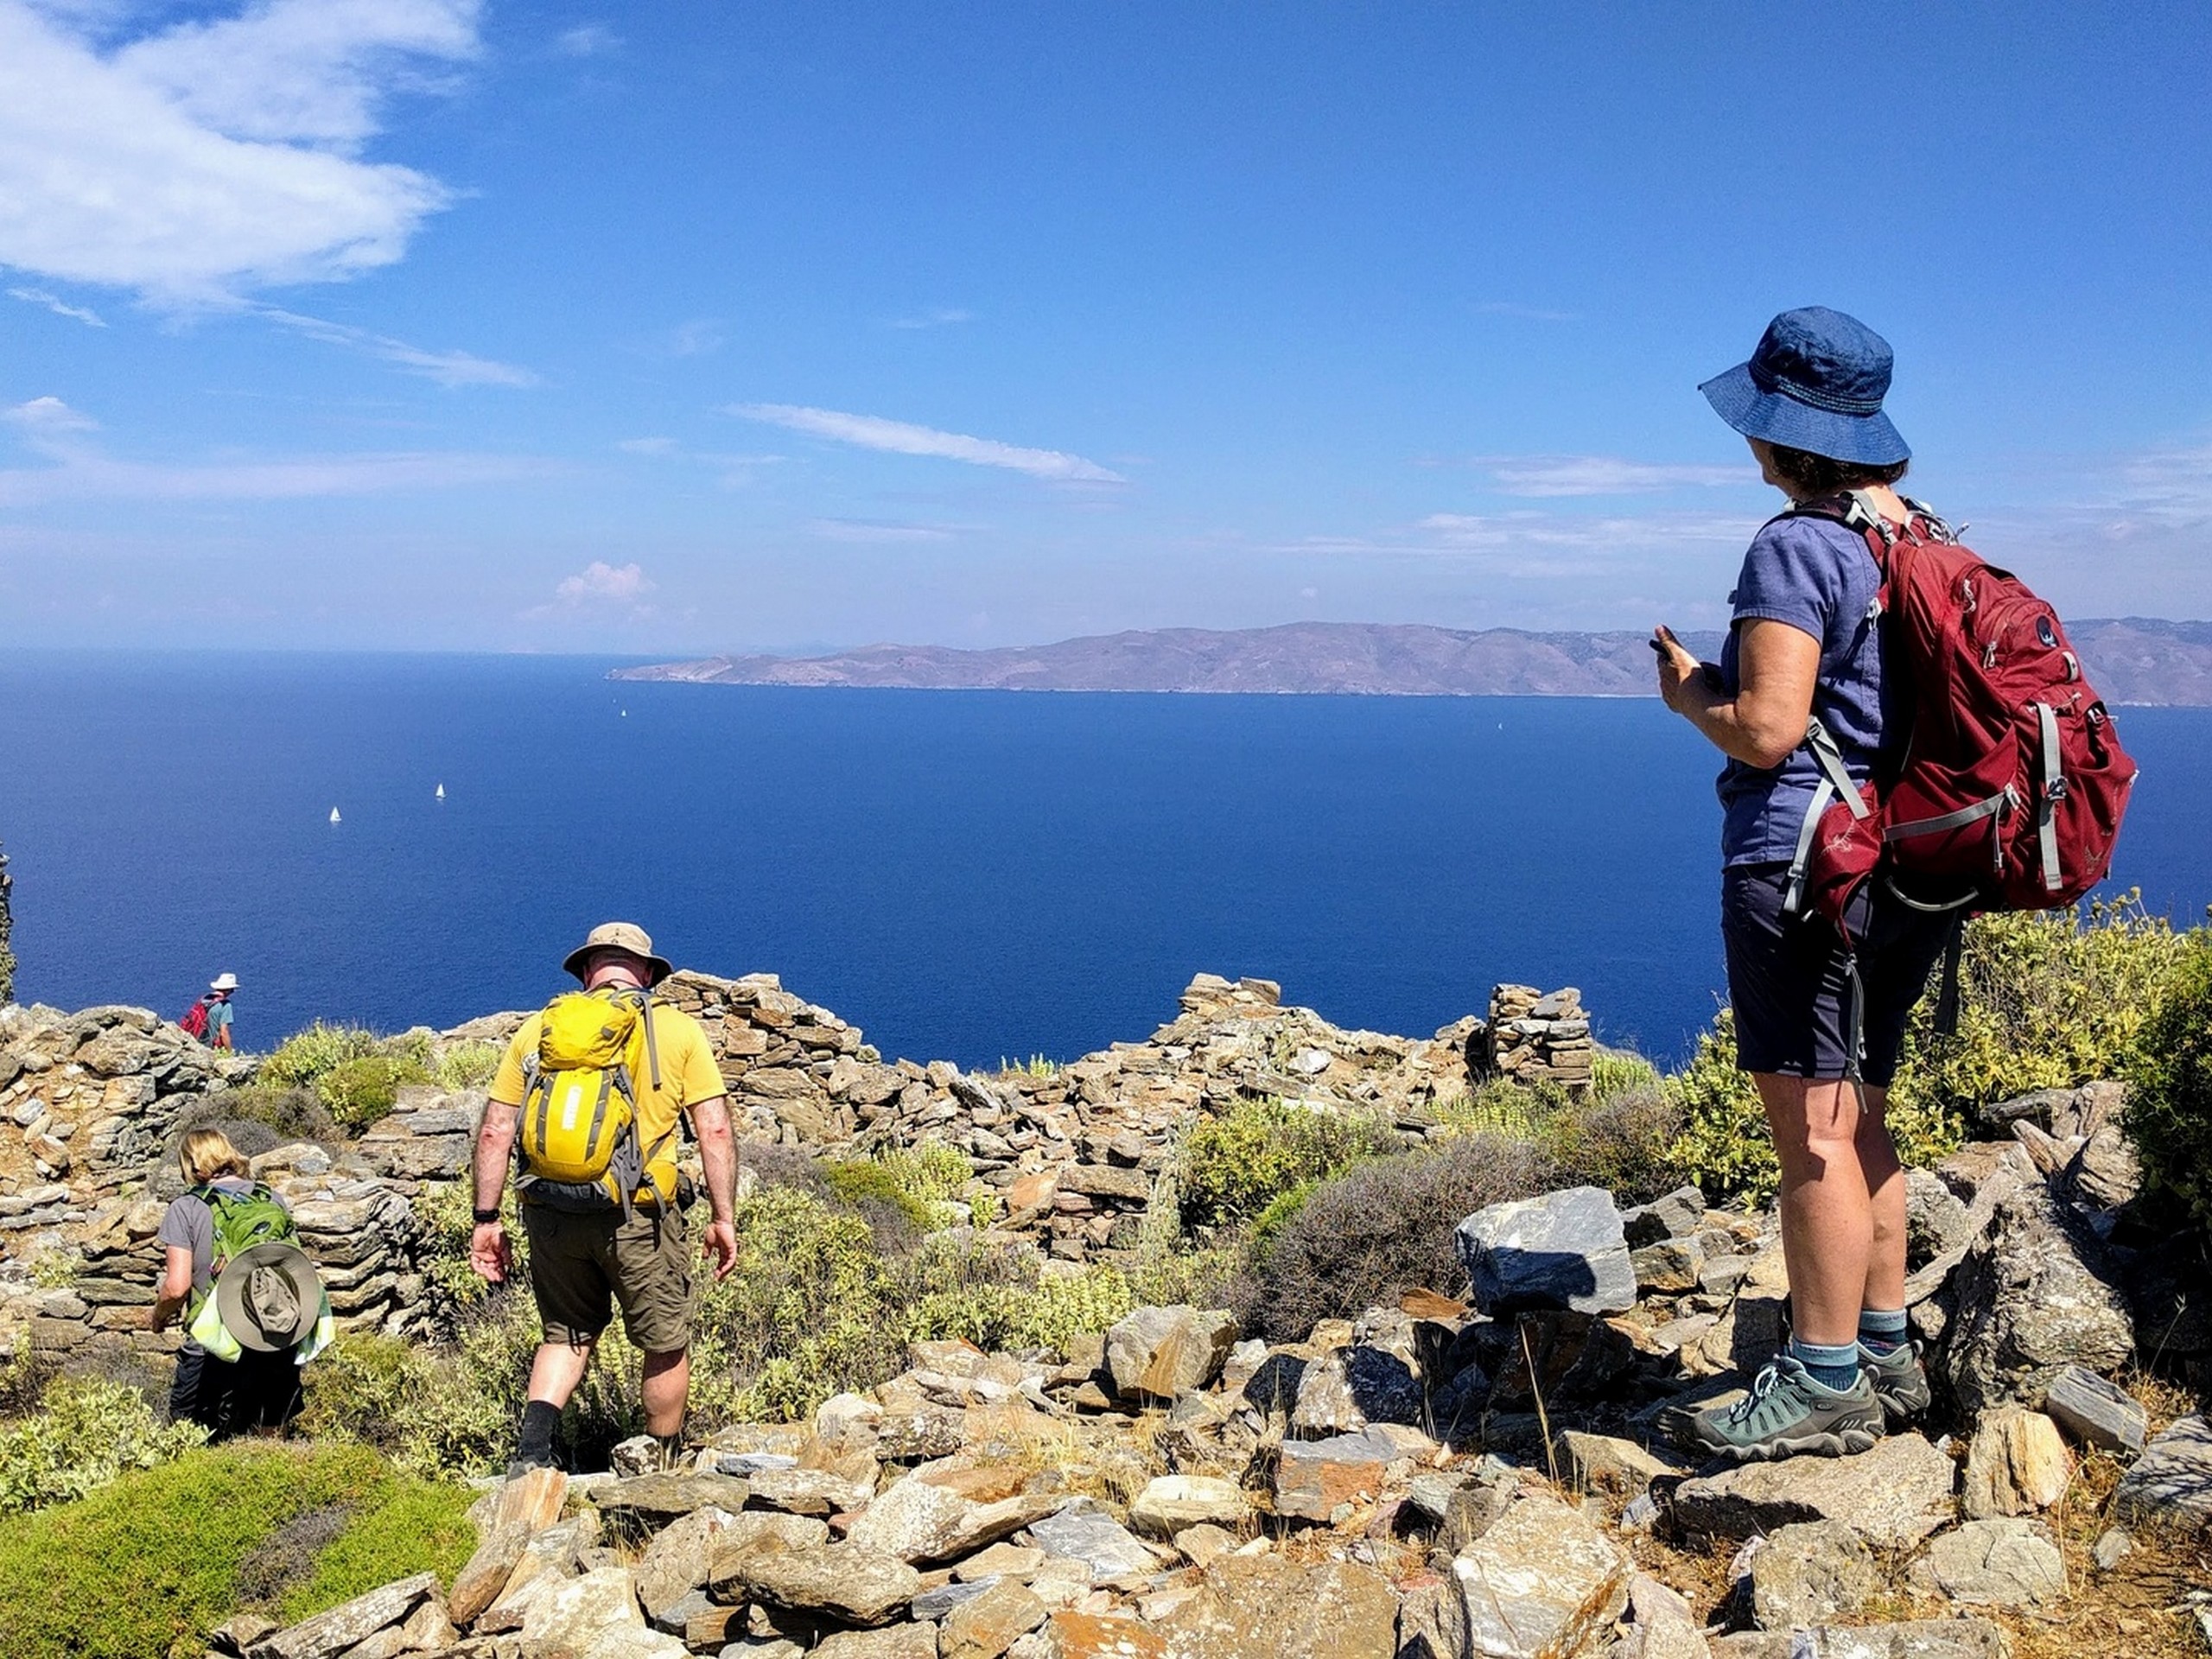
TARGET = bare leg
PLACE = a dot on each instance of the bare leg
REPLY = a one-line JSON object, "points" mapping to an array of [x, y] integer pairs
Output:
{"points": [[557, 1368], [1834, 1160], [667, 1384]]}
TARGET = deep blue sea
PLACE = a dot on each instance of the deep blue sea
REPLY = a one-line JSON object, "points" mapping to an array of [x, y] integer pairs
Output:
{"points": [[969, 876]]}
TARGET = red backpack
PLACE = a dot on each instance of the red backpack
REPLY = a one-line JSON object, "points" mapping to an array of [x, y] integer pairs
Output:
{"points": [[194, 1023], [2009, 790]]}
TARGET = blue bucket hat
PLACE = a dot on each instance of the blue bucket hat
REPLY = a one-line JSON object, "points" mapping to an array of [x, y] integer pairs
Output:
{"points": [[1816, 383]]}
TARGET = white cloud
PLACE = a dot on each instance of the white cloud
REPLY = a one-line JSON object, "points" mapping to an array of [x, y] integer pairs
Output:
{"points": [[447, 368], [78, 470], [600, 582], [875, 530], [899, 437], [1550, 475], [587, 41], [935, 317], [60, 307], [647, 446], [210, 157]]}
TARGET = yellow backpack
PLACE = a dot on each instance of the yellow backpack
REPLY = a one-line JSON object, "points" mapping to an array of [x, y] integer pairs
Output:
{"points": [[578, 1138]]}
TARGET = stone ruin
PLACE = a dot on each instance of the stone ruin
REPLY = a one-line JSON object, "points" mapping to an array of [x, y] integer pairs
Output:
{"points": [[1533, 1037]]}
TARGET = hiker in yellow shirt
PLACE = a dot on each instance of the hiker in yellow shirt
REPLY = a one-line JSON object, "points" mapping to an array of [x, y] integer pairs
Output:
{"points": [[611, 1227]]}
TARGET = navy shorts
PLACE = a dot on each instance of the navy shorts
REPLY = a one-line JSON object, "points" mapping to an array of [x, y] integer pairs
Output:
{"points": [[1787, 982]]}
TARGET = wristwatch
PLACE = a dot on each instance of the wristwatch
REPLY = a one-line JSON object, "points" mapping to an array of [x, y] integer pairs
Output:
{"points": [[483, 1216]]}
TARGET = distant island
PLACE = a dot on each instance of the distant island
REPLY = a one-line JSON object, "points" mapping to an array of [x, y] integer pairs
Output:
{"points": [[2130, 660]]}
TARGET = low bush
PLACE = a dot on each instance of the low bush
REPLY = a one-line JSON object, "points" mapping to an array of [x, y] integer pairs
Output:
{"points": [[272, 1113], [1618, 1071], [1379, 1231], [1623, 1140], [2048, 1000], [466, 1065], [303, 1058], [145, 1566], [86, 1431], [1504, 1106], [2169, 1083], [359, 1091], [1233, 1166], [1046, 1316]]}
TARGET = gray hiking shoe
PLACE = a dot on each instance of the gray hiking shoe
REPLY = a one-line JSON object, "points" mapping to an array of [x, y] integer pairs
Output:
{"points": [[1900, 1382], [1786, 1414]]}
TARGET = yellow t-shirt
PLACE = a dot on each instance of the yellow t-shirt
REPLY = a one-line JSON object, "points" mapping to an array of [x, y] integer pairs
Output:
{"points": [[688, 1075]]}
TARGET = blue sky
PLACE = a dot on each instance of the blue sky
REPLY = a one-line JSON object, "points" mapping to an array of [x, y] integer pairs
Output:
{"points": [[670, 329]]}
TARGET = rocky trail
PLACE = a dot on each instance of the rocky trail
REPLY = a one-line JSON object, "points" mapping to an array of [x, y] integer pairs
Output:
{"points": [[1438, 1479]]}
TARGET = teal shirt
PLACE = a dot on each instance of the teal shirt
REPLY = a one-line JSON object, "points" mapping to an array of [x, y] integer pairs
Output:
{"points": [[219, 1019]]}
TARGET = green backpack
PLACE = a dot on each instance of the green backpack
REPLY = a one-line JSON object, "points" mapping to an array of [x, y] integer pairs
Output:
{"points": [[244, 1220]]}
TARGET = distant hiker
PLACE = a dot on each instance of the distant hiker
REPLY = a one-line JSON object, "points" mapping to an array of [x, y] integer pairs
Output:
{"points": [[254, 1305], [589, 1097], [209, 1019], [1805, 643]]}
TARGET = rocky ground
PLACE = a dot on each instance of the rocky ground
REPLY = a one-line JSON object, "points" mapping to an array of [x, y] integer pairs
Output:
{"points": [[1438, 1479]]}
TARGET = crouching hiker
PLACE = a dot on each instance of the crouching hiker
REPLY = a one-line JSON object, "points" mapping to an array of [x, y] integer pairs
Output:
{"points": [[589, 1099]]}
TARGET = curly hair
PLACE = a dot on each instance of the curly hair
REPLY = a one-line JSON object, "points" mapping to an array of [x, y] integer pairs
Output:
{"points": [[1824, 475]]}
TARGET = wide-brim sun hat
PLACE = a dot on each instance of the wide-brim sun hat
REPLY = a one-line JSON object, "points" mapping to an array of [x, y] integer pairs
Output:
{"points": [[224, 982], [619, 936], [269, 1296], [1816, 382]]}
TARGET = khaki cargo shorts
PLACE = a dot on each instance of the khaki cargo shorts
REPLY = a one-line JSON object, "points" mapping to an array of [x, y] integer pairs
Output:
{"points": [[578, 1260]]}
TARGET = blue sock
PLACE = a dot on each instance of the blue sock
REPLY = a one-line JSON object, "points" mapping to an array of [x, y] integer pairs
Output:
{"points": [[1836, 1368], [1881, 1330]]}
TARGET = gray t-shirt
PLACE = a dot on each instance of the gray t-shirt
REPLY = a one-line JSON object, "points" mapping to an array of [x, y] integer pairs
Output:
{"points": [[190, 1224], [1818, 577]]}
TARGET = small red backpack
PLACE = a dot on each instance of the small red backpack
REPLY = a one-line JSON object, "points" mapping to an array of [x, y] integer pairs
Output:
{"points": [[195, 1022], [2009, 790]]}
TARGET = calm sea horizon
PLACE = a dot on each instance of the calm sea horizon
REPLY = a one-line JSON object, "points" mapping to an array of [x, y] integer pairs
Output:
{"points": [[970, 877]]}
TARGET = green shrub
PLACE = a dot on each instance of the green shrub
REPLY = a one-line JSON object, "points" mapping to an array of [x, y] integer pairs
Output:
{"points": [[468, 1064], [1016, 1318], [87, 1431], [1233, 1166], [287, 1111], [2049, 1000], [359, 1092], [2169, 1083], [1617, 1071], [1504, 1106], [146, 1565], [304, 1057], [1622, 1140], [1380, 1229]]}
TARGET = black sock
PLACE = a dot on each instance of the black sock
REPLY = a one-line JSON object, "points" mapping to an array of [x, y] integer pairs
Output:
{"points": [[539, 1419]]}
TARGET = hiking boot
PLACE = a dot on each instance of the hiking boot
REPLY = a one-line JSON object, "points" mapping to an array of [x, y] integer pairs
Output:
{"points": [[1788, 1413], [1900, 1382], [525, 1461]]}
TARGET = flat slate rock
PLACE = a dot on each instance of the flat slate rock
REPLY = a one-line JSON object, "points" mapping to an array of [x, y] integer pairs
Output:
{"points": [[2096, 1412], [1541, 1583], [1892, 1497], [2171, 1482], [1922, 1638], [2008, 1562], [1566, 1249], [1102, 1544], [666, 1496]]}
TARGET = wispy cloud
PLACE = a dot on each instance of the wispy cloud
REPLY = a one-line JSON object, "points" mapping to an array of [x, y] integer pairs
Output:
{"points": [[877, 530], [80, 470], [901, 438], [936, 317], [698, 337], [447, 368], [203, 159], [1561, 475], [587, 41], [1526, 313], [60, 307]]}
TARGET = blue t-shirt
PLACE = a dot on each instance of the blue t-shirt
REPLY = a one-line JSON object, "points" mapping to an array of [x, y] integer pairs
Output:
{"points": [[1818, 577]]}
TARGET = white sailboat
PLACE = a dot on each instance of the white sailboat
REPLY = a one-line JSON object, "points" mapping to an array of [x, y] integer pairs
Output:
{"points": [[442, 791], [334, 814]]}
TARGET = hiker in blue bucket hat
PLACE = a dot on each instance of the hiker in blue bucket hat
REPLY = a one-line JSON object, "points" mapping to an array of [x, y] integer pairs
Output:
{"points": [[1803, 658]]}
